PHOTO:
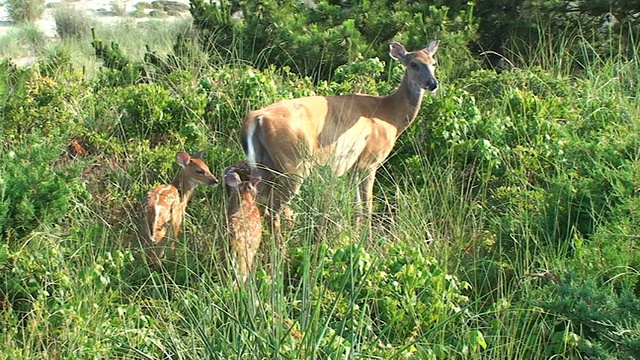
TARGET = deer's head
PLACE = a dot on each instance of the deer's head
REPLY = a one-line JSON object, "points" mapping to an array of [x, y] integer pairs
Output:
{"points": [[194, 170], [420, 64]]}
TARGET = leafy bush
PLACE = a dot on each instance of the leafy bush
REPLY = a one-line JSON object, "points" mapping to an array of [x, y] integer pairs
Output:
{"points": [[42, 196], [400, 300], [151, 112], [234, 90], [519, 137], [314, 40], [594, 321], [43, 106]]}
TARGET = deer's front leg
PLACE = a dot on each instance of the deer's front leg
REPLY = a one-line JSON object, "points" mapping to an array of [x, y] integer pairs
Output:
{"points": [[285, 187], [365, 199]]}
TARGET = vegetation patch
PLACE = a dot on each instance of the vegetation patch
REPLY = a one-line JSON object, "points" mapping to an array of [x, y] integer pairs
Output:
{"points": [[138, 13], [119, 8], [158, 14], [167, 6], [143, 5], [71, 23], [508, 209], [21, 11]]}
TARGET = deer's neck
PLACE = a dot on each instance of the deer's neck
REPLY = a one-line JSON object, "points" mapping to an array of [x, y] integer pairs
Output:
{"points": [[405, 103], [239, 201], [185, 188], [233, 201]]}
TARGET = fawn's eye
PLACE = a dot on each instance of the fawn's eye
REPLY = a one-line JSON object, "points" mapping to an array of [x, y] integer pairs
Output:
{"points": [[200, 172], [413, 65]]}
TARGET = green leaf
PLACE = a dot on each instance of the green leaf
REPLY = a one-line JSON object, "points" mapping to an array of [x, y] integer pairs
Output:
{"points": [[477, 338]]}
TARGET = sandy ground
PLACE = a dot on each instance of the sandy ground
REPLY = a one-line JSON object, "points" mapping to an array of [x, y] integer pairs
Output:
{"points": [[101, 10]]}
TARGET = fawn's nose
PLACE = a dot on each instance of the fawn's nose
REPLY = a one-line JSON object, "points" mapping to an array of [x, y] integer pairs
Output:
{"points": [[214, 181], [432, 84]]}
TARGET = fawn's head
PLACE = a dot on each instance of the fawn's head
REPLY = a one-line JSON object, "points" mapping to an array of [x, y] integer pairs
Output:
{"points": [[420, 64], [246, 189], [194, 170], [236, 174]]}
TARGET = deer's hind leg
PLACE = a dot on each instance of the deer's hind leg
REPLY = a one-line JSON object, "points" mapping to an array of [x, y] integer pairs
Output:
{"points": [[282, 191], [176, 222]]}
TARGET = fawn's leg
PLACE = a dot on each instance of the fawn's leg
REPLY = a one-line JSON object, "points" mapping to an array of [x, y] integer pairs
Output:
{"points": [[175, 224], [155, 246], [238, 250]]}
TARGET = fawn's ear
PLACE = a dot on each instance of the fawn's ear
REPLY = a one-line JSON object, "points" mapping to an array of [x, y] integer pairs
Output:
{"points": [[183, 159], [256, 180], [232, 179]]}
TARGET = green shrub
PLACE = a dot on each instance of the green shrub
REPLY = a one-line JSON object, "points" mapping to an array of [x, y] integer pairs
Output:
{"points": [[402, 300], [43, 107], [138, 13], [232, 91], [32, 198], [593, 321], [24, 10], [521, 137], [158, 14], [45, 285], [314, 40], [143, 5], [150, 111]]}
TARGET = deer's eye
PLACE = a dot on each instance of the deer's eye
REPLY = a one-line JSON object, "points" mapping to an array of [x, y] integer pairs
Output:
{"points": [[413, 65], [200, 172]]}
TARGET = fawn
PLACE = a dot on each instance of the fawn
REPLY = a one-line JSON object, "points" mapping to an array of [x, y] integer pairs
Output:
{"points": [[243, 217], [166, 204]]}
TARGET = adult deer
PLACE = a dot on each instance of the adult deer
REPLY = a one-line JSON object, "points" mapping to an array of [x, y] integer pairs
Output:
{"points": [[165, 204], [286, 139]]}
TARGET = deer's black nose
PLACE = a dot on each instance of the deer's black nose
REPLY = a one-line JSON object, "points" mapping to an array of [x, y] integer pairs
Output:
{"points": [[432, 84]]}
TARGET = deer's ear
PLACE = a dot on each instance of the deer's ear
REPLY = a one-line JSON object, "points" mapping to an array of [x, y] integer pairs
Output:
{"points": [[182, 158], [432, 47], [232, 179], [199, 154], [397, 51], [256, 180]]}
